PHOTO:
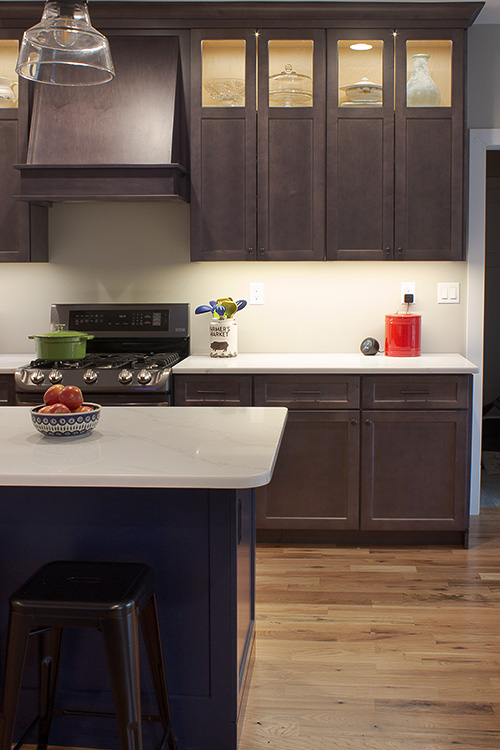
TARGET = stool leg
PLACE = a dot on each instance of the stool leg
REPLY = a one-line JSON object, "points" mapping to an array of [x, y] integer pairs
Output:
{"points": [[49, 644], [17, 644], [121, 641], [151, 631]]}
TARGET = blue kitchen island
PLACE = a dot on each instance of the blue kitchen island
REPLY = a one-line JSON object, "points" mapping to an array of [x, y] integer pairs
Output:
{"points": [[173, 488]]}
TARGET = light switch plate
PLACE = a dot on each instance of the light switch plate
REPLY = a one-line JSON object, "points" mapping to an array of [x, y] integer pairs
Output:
{"points": [[448, 292]]}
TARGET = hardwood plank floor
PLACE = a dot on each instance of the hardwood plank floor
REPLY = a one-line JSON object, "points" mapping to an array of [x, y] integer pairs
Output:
{"points": [[378, 648]]}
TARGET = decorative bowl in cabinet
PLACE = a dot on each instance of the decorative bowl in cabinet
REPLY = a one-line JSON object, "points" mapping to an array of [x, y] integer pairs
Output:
{"points": [[229, 92], [363, 91]]}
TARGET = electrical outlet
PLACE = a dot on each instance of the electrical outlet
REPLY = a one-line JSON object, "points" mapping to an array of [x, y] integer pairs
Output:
{"points": [[256, 293], [407, 287], [448, 292]]}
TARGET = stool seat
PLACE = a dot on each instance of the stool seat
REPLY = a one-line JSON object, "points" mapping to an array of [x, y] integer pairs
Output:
{"points": [[84, 590], [112, 597]]}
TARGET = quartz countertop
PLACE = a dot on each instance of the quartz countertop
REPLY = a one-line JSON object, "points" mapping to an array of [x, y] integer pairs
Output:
{"points": [[228, 448], [353, 364], [10, 362]]}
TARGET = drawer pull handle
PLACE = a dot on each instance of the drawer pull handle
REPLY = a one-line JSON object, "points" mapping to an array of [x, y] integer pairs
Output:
{"points": [[368, 422], [212, 393], [306, 393], [354, 421], [415, 393]]}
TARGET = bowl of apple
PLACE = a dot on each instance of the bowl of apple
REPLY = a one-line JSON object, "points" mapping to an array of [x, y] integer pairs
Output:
{"points": [[64, 413]]}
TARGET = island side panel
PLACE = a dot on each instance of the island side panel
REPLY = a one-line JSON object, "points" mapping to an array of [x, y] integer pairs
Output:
{"points": [[206, 603]]}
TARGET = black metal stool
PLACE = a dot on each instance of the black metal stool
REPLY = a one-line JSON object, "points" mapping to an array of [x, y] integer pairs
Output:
{"points": [[112, 597]]}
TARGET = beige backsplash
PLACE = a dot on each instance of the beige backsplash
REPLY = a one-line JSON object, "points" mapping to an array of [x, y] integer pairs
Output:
{"points": [[139, 252]]}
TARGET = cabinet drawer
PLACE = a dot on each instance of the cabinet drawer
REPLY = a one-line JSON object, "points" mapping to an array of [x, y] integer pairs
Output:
{"points": [[307, 391], [416, 391], [212, 390]]}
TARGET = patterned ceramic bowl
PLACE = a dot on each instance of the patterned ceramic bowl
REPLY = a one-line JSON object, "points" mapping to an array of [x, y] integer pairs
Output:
{"points": [[66, 425]]}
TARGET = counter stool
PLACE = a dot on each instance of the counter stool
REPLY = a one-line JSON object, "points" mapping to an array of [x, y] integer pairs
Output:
{"points": [[109, 596]]}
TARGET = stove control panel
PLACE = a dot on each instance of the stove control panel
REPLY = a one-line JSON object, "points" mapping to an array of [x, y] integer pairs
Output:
{"points": [[130, 321]]}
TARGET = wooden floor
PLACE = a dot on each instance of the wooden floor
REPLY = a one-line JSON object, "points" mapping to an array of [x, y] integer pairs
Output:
{"points": [[378, 649]]}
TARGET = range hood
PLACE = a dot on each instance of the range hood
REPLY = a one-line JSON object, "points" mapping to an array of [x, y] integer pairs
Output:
{"points": [[124, 140]]}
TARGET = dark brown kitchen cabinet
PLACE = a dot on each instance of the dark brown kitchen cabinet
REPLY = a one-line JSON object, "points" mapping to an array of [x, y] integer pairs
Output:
{"points": [[415, 452], [375, 458], [414, 470], [315, 484], [23, 227], [395, 186], [257, 160], [7, 392]]}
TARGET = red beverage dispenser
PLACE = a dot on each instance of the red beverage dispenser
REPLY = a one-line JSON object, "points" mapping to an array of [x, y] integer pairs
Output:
{"points": [[402, 334]]}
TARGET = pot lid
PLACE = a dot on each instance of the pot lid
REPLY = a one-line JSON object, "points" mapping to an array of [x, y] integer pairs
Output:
{"points": [[60, 334]]}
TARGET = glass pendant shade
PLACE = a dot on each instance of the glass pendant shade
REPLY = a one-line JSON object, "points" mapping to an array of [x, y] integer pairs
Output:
{"points": [[64, 49]]}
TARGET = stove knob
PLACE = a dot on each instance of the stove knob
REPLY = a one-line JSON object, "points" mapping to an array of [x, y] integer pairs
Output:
{"points": [[37, 377], [89, 376], [125, 377], [144, 377], [55, 376]]}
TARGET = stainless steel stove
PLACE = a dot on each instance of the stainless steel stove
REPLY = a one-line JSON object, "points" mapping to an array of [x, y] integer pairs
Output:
{"points": [[129, 360]]}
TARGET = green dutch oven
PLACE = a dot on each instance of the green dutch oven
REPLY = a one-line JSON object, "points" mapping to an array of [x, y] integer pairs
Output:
{"points": [[61, 345]]}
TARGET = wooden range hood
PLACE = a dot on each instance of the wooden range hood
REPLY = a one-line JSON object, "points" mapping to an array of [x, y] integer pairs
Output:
{"points": [[124, 140]]}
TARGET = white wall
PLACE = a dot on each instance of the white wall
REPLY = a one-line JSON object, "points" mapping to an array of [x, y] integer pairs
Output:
{"points": [[139, 252]]}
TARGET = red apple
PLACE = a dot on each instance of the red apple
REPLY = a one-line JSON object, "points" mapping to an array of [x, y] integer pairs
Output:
{"points": [[71, 396], [81, 408], [54, 409], [51, 395]]}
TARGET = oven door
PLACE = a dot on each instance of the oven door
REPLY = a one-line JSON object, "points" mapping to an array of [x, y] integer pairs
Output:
{"points": [[105, 399]]}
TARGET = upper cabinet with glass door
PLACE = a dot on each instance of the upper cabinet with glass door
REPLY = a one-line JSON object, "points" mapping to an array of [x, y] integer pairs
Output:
{"points": [[428, 72], [223, 72], [273, 162], [360, 73], [290, 72], [8, 76]]}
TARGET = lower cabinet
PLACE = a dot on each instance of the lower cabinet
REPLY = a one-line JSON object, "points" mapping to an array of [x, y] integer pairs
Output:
{"points": [[371, 457], [7, 390], [414, 470], [316, 480]]}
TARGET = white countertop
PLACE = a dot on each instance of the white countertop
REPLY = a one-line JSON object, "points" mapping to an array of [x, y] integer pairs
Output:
{"points": [[146, 447], [10, 362], [353, 364]]}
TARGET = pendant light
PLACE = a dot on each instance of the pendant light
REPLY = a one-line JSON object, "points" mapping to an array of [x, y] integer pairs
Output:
{"points": [[64, 49]]}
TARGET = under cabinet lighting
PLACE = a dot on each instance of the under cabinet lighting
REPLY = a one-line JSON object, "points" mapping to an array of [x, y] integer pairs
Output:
{"points": [[360, 46]]}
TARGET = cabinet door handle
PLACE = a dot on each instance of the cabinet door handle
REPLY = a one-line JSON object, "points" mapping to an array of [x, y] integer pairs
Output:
{"points": [[354, 421], [368, 422], [400, 251], [262, 250], [415, 393], [250, 250], [387, 250]]}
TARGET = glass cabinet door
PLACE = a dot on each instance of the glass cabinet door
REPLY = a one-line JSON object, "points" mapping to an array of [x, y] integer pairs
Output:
{"points": [[291, 72], [223, 72], [360, 73], [428, 72], [8, 76]]}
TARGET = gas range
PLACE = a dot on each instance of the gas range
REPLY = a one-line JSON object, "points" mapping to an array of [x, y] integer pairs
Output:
{"points": [[129, 360]]}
